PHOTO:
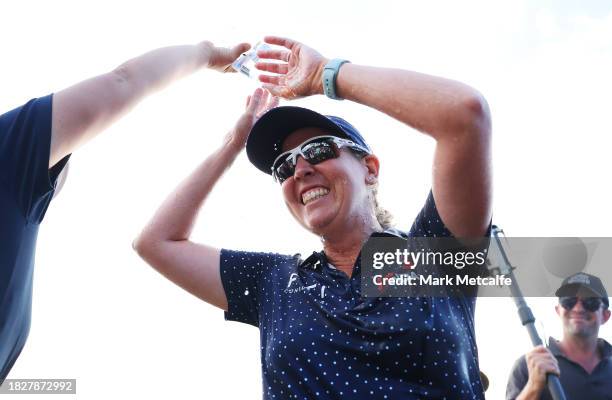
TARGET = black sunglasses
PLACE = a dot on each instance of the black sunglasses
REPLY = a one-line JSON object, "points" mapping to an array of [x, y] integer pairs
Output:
{"points": [[591, 304], [314, 151]]}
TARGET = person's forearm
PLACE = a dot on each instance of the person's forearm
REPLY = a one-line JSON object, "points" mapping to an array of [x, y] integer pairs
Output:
{"points": [[174, 219], [436, 106], [83, 110], [157, 68]]}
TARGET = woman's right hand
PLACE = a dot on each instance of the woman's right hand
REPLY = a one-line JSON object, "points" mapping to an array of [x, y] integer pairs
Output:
{"points": [[257, 104], [165, 242], [299, 71]]}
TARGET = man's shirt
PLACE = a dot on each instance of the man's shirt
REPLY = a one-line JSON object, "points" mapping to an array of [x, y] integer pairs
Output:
{"points": [[26, 188], [576, 382]]}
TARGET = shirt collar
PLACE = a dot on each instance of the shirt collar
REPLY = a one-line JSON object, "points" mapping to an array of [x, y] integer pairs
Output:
{"points": [[390, 232], [554, 347], [315, 261], [605, 349], [318, 259]]}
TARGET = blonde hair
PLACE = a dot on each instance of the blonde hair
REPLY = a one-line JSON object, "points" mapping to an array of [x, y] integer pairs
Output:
{"points": [[383, 216]]}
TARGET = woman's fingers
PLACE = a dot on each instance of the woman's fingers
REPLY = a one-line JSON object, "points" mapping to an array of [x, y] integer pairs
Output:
{"points": [[274, 90], [280, 41], [276, 80], [254, 101], [261, 101], [267, 102], [282, 55], [273, 84], [265, 99], [273, 67], [273, 102]]}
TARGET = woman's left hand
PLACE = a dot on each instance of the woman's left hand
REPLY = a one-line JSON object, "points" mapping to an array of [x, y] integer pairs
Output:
{"points": [[257, 104], [299, 75]]}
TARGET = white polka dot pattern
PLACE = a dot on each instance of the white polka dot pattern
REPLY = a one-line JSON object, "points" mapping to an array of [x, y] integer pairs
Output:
{"points": [[321, 339]]}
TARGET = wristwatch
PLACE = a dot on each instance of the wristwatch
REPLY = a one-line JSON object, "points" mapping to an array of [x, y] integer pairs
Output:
{"points": [[330, 73]]}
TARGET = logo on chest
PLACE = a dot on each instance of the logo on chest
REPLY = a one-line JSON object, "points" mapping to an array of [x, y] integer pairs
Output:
{"points": [[295, 286]]}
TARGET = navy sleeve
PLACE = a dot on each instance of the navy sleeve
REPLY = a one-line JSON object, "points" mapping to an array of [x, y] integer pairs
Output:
{"points": [[244, 276], [25, 141], [428, 223], [518, 379]]}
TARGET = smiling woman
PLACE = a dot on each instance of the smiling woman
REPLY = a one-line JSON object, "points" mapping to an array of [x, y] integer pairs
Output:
{"points": [[320, 336], [321, 193]]}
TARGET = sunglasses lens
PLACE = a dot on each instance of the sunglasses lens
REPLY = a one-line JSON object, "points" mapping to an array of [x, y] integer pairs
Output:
{"points": [[318, 152], [591, 304], [568, 302], [314, 152], [284, 169]]}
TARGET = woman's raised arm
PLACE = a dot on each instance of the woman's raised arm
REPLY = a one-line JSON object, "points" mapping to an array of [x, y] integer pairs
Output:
{"points": [[452, 113], [164, 242]]}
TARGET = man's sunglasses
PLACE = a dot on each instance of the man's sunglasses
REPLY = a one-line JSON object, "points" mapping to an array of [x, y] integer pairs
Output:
{"points": [[315, 151], [591, 304]]}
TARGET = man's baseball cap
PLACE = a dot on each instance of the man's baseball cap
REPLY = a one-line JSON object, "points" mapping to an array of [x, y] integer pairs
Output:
{"points": [[265, 141], [583, 284]]}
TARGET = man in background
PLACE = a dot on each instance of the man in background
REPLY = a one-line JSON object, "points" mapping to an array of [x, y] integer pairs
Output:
{"points": [[582, 361]]}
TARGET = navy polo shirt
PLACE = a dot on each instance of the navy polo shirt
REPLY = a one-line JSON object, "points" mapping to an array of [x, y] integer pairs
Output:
{"points": [[321, 339], [577, 383], [26, 188]]}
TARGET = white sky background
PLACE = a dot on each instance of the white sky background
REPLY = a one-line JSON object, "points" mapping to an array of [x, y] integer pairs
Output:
{"points": [[102, 316]]}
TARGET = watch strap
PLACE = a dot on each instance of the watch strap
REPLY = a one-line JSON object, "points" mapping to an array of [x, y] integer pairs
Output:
{"points": [[330, 74]]}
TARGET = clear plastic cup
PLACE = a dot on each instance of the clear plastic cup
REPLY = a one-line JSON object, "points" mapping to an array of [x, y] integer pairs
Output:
{"points": [[245, 64]]}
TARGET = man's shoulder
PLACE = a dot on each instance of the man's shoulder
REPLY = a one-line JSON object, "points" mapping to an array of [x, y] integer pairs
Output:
{"points": [[32, 109], [517, 380], [520, 364], [605, 348]]}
